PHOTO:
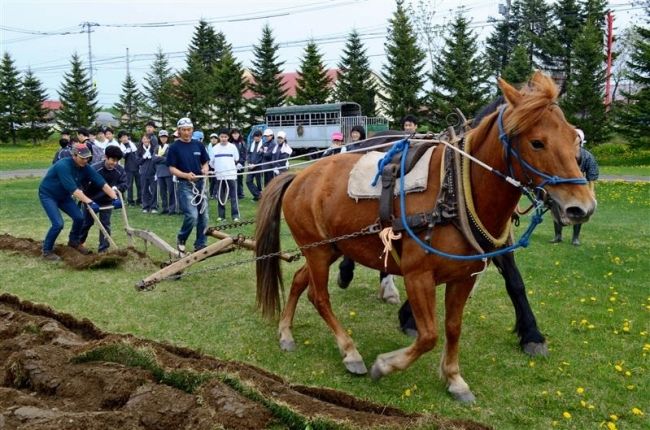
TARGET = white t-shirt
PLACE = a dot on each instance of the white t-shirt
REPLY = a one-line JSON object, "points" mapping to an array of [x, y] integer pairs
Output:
{"points": [[223, 159]]}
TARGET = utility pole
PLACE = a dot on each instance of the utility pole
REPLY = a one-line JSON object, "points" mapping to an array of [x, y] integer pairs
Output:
{"points": [[87, 25], [608, 75], [128, 96]]}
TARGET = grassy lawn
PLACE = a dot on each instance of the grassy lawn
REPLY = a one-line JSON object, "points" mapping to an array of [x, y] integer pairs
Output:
{"points": [[27, 156], [592, 302], [625, 170]]}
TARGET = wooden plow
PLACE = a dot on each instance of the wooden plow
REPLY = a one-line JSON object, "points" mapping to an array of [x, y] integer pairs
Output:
{"points": [[226, 243]]}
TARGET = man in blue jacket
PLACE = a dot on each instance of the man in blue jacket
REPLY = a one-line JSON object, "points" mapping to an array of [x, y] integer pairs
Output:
{"points": [[187, 159], [115, 177], [63, 179]]}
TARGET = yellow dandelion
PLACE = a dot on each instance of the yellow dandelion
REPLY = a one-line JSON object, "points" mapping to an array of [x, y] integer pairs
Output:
{"points": [[610, 310], [566, 415], [583, 321], [593, 299], [628, 373], [631, 387], [626, 329], [583, 403], [349, 332], [482, 317], [559, 393], [407, 392], [531, 363], [646, 347], [353, 313], [557, 263], [544, 393], [583, 300], [307, 342], [591, 407], [591, 326], [580, 390], [637, 411], [612, 299], [611, 426], [554, 423], [613, 417], [618, 368]]}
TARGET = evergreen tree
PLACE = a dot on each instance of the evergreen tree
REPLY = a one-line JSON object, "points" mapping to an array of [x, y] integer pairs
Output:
{"points": [[635, 117], [518, 70], [206, 45], [193, 93], [354, 78], [583, 103], [569, 20], [229, 87], [402, 77], [266, 77], [131, 106], [35, 125], [312, 83], [460, 78], [534, 26], [157, 91], [500, 44], [78, 98], [10, 104]]}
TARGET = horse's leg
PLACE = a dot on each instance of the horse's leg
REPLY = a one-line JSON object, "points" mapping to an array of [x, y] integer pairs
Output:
{"points": [[421, 292], [387, 290], [456, 294], [531, 340], [346, 272], [318, 262], [406, 321], [300, 282]]}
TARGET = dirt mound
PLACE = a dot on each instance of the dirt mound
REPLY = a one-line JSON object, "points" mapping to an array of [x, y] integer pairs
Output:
{"points": [[72, 257], [58, 372]]}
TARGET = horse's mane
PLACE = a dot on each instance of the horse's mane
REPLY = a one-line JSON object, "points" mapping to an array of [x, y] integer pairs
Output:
{"points": [[537, 95]]}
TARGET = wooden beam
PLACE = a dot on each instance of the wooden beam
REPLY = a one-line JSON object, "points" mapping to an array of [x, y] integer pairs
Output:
{"points": [[247, 243]]}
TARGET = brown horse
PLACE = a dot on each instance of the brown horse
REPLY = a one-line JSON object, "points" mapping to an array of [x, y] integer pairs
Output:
{"points": [[317, 207]]}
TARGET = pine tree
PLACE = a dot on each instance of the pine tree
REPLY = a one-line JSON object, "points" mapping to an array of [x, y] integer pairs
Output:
{"points": [[131, 105], [460, 78], [354, 78], [312, 83], [518, 70], [10, 94], [583, 103], [34, 114], [158, 90], [500, 44], [229, 87], [569, 24], [266, 84], [206, 46], [635, 117], [534, 25], [193, 93], [78, 98], [402, 77]]}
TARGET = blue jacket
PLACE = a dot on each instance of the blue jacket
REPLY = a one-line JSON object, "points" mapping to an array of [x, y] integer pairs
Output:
{"points": [[64, 177], [114, 178], [147, 166], [588, 165], [255, 156]]}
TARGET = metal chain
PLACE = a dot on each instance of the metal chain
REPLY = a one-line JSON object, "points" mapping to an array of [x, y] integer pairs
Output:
{"points": [[233, 225], [371, 229]]}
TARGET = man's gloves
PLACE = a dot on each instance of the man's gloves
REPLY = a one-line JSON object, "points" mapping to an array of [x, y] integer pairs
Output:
{"points": [[276, 172], [117, 204], [94, 206]]}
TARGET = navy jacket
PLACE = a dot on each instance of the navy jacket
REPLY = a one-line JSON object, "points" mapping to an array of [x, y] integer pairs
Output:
{"points": [[114, 178]]}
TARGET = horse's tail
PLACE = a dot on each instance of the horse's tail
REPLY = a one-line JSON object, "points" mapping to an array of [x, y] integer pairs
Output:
{"points": [[267, 241]]}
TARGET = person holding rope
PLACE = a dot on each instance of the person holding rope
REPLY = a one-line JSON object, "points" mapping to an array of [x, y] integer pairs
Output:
{"points": [[237, 139], [115, 177], [62, 180], [224, 160], [188, 161]]}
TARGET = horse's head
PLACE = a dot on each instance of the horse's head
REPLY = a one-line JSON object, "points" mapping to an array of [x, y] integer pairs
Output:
{"points": [[541, 148]]}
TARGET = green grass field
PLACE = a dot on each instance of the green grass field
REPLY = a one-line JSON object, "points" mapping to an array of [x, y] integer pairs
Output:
{"points": [[592, 302]]}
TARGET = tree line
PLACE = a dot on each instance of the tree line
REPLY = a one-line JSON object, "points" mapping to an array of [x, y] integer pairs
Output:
{"points": [[566, 39]]}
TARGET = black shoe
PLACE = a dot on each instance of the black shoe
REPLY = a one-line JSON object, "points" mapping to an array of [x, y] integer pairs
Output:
{"points": [[50, 256]]}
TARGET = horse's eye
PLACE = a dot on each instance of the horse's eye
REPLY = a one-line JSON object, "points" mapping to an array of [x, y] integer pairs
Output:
{"points": [[537, 144]]}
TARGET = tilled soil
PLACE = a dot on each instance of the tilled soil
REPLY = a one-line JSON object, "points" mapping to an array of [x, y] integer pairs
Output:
{"points": [[70, 256], [43, 387]]}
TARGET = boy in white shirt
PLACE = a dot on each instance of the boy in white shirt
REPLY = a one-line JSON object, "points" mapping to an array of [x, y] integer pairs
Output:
{"points": [[223, 160]]}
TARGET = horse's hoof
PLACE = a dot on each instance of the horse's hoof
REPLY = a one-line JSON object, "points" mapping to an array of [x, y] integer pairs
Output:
{"points": [[356, 367], [287, 345], [375, 372], [464, 397], [535, 349], [392, 300]]}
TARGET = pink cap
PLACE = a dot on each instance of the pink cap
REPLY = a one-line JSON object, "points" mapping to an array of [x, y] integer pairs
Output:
{"points": [[337, 135]]}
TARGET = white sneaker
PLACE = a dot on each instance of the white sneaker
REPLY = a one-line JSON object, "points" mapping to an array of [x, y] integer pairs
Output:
{"points": [[235, 220], [154, 211], [144, 211], [180, 246], [219, 219]]}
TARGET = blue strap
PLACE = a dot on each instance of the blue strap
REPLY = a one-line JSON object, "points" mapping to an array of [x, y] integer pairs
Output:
{"points": [[397, 147]]}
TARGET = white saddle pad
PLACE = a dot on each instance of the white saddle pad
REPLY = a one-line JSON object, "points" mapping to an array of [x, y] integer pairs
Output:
{"points": [[362, 174]]}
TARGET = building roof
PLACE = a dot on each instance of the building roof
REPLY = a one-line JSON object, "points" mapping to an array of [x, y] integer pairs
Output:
{"points": [[51, 104], [289, 81]]}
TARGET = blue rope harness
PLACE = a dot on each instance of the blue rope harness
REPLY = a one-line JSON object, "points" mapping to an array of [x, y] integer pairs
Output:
{"points": [[536, 218]]}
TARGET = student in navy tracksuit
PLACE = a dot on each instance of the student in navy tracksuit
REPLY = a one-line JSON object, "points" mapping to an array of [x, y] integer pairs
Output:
{"points": [[115, 177], [130, 151], [62, 181], [281, 153], [255, 157], [268, 148], [147, 152]]}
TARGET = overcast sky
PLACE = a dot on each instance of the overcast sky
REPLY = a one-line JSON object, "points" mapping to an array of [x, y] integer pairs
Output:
{"points": [[31, 30]]}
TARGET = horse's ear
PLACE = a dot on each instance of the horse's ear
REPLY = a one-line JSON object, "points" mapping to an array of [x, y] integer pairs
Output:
{"points": [[512, 95]]}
